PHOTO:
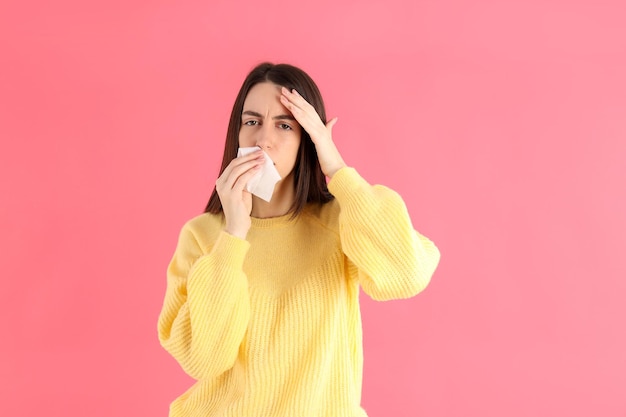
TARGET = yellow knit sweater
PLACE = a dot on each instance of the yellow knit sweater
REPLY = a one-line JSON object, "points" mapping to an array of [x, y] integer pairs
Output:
{"points": [[270, 326]]}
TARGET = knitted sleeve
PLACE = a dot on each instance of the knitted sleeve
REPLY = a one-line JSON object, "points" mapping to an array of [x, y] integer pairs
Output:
{"points": [[206, 309], [390, 259]]}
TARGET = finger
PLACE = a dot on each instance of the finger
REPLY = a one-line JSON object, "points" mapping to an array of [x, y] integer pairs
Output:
{"points": [[243, 179], [296, 99], [297, 96], [290, 105], [331, 123], [242, 160], [237, 168], [303, 111], [241, 170]]}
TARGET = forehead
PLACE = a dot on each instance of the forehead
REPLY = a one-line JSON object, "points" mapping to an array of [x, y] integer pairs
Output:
{"points": [[263, 96]]}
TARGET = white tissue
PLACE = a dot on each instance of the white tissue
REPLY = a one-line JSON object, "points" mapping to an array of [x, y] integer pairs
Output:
{"points": [[262, 184]]}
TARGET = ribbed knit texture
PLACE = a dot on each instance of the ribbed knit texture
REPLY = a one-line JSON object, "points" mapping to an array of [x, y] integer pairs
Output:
{"points": [[271, 326]]}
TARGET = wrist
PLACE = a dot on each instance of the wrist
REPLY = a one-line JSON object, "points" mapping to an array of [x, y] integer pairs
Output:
{"points": [[331, 172], [240, 232]]}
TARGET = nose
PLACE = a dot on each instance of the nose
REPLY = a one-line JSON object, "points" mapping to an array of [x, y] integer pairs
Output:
{"points": [[265, 137]]}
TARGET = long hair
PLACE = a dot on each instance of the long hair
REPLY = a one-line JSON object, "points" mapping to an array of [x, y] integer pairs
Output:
{"points": [[309, 180]]}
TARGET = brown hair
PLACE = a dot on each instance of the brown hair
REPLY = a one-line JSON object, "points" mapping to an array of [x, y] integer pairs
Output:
{"points": [[309, 180]]}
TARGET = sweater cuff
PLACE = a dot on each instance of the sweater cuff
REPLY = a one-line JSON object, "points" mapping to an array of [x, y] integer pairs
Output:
{"points": [[231, 249], [345, 183]]}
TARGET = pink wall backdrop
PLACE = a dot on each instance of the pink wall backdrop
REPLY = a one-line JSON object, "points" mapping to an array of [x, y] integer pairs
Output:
{"points": [[503, 125]]}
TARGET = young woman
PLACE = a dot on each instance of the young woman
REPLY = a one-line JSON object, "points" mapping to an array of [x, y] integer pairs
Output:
{"points": [[262, 300]]}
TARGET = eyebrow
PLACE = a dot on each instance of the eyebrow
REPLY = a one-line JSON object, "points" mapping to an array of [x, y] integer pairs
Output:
{"points": [[279, 117]]}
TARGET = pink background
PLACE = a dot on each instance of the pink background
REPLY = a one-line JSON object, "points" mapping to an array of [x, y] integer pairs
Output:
{"points": [[502, 124]]}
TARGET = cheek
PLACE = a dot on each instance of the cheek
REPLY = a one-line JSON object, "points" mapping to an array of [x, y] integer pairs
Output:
{"points": [[244, 140], [286, 159], [290, 152]]}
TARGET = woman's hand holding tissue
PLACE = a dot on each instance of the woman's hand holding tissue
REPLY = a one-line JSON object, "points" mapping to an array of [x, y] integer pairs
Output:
{"points": [[236, 201], [321, 135]]}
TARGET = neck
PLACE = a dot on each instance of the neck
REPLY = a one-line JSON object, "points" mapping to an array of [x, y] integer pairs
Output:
{"points": [[282, 200]]}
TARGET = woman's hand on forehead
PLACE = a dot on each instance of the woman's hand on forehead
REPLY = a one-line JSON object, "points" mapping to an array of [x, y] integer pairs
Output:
{"points": [[320, 133]]}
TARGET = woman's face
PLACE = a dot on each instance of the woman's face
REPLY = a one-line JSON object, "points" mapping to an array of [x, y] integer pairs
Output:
{"points": [[266, 123]]}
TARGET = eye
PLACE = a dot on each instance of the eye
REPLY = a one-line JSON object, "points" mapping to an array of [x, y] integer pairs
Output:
{"points": [[284, 126], [251, 123]]}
